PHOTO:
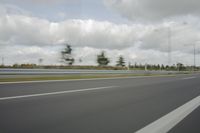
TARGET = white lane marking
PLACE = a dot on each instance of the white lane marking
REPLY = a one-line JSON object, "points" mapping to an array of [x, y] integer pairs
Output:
{"points": [[90, 79], [167, 122], [55, 93], [188, 78]]}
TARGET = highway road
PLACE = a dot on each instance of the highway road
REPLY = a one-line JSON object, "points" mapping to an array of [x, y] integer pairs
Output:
{"points": [[120, 105]]}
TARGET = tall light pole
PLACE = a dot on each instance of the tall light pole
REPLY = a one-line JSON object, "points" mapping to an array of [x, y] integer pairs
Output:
{"points": [[169, 46], [194, 57], [40, 60], [2, 61], [169, 41]]}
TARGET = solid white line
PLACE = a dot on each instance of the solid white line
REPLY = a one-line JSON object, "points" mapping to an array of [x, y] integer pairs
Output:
{"points": [[188, 78], [55, 93], [89, 79], [167, 122]]}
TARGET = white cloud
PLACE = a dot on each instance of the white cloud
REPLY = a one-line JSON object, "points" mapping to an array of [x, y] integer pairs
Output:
{"points": [[153, 10], [7, 9], [46, 2], [25, 30], [61, 15], [25, 39], [181, 37]]}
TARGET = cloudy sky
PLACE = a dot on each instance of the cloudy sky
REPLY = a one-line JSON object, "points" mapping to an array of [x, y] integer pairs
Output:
{"points": [[139, 30]]}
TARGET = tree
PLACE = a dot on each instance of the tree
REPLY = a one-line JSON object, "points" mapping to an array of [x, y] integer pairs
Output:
{"points": [[67, 55], [40, 60], [102, 60], [120, 61], [162, 67], [158, 67], [180, 66]]}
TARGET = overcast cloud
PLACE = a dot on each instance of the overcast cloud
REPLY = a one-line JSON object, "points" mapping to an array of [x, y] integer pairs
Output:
{"points": [[154, 10], [24, 37]]}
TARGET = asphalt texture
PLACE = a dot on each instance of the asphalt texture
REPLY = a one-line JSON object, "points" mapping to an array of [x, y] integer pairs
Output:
{"points": [[131, 104]]}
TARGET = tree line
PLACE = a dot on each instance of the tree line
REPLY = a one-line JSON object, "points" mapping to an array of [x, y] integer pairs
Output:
{"points": [[102, 60]]}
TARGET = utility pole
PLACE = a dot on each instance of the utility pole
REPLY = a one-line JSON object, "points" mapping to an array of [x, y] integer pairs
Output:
{"points": [[194, 57], [169, 46], [169, 42], [146, 69], [40, 60], [2, 61]]}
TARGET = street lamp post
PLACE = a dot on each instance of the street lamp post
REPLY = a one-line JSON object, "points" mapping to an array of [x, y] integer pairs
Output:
{"points": [[169, 41], [194, 57], [2, 61], [169, 46]]}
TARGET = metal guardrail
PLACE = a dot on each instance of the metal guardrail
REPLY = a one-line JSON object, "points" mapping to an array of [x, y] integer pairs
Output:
{"points": [[75, 71]]}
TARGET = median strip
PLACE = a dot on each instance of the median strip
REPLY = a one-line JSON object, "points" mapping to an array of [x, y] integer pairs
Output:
{"points": [[80, 78], [167, 122]]}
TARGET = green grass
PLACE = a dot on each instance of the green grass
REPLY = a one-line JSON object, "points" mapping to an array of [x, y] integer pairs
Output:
{"points": [[69, 77]]}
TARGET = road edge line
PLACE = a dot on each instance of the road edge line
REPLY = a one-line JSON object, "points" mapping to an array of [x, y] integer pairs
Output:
{"points": [[167, 122]]}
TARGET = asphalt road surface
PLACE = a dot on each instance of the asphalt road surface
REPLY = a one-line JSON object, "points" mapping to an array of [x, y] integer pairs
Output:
{"points": [[123, 105]]}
